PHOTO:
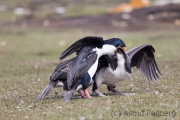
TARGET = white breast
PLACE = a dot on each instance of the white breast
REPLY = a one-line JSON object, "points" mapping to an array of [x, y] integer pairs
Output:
{"points": [[93, 68], [109, 77], [106, 49]]}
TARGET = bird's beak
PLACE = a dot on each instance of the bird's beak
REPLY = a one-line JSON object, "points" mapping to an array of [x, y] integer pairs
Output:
{"points": [[124, 48]]}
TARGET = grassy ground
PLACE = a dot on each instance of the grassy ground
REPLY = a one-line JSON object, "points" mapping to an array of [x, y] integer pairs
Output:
{"points": [[28, 57]]}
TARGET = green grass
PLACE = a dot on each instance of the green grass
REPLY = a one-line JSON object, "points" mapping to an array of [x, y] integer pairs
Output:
{"points": [[30, 56]]}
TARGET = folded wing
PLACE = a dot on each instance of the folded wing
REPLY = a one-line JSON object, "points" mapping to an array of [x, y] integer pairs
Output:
{"points": [[78, 45], [60, 73], [83, 62], [143, 58]]}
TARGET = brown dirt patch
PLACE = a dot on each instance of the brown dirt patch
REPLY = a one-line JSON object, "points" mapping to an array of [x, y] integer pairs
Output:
{"points": [[139, 19]]}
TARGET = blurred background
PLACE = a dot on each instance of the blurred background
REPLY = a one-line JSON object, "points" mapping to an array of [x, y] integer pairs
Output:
{"points": [[90, 14]]}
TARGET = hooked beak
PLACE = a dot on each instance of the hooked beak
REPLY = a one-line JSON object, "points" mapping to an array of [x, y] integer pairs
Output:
{"points": [[115, 52], [124, 48]]}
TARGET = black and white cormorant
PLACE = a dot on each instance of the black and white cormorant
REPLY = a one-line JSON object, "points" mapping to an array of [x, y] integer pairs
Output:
{"points": [[141, 57], [89, 50], [59, 79], [59, 76]]}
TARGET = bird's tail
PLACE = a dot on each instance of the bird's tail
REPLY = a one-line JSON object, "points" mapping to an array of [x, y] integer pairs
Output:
{"points": [[46, 91], [69, 95]]}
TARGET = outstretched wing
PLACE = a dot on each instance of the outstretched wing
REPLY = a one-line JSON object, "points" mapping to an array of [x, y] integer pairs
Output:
{"points": [[143, 58], [85, 59], [78, 45], [60, 73]]}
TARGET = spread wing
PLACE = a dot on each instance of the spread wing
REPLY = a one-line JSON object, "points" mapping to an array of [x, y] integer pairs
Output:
{"points": [[60, 73], [78, 45], [85, 59], [143, 58]]}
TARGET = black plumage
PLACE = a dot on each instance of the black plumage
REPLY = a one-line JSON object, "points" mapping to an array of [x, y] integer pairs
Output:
{"points": [[89, 50], [84, 66], [78, 45], [143, 58], [81, 64], [59, 75]]}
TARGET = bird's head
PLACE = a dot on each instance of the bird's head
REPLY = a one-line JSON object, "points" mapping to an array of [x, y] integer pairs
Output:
{"points": [[118, 43]]}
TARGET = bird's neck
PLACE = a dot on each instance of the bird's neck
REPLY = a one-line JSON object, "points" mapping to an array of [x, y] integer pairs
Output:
{"points": [[106, 49], [123, 63], [120, 60]]}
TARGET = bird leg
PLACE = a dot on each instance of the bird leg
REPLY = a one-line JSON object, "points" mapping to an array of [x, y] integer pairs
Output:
{"points": [[99, 93], [87, 94], [81, 93], [116, 92]]}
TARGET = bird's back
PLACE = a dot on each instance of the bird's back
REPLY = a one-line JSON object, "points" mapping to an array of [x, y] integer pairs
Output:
{"points": [[85, 58]]}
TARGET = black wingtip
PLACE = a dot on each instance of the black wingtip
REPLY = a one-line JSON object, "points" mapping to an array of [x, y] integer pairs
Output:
{"points": [[63, 55], [61, 58]]}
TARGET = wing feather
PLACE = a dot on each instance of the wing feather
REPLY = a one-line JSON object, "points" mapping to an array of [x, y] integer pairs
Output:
{"points": [[156, 70], [61, 70], [85, 59], [144, 69], [154, 74], [143, 58], [149, 72], [78, 45]]}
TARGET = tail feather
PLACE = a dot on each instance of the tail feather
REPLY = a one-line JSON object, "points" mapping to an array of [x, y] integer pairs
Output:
{"points": [[45, 92]]}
